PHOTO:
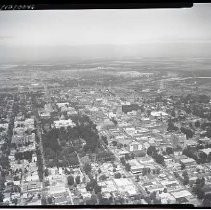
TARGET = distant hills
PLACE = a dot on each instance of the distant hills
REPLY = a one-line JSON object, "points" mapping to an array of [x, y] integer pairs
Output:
{"points": [[74, 54]]}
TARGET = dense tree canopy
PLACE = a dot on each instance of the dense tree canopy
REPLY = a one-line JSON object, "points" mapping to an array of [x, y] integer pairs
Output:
{"points": [[70, 180]]}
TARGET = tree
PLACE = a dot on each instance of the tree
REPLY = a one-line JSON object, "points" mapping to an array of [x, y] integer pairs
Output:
{"points": [[200, 145], [99, 171], [105, 156], [144, 171], [117, 176], [104, 138], [132, 155], [127, 156], [182, 166], [157, 171], [198, 191], [189, 152], [171, 126], [50, 200], [188, 132], [4, 162], [114, 143], [173, 113], [185, 178], [87, 168], [207, 200], [114, 165], [97, 189], [159, 159], [120, 145], [209, 157], [91, 185], [203, 99], [104, 201], [86, 130], [49, 153], [137, 178], [141, 153], [111, 199], [46, 172], [92, 200], [47, 183], [15, 201], [197, 188], [127, 167], [70, 180], [103, 177], [202, 157], [2, 129], [151, 150], [197, 124], [200, 182], [122, 159], [176, 174], [169, 150], [17, 189], [43, 201], [1, 197], [78, 179]]}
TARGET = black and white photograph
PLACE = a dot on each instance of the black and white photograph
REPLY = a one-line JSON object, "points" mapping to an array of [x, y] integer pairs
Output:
{"points": [[105, 107]]}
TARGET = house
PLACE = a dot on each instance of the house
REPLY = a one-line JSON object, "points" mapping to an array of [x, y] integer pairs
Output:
{"points": [[136, 167], [206, 151], [32, 186], [158, 114], [182, 196], [108, 186], [147, 160], [167, 198], [151, 185], [135, 146], [34, 177], [171, 185], [205, 140], [34, 202], [106, 124], [207, 189], [130, 107], [188, 162], [130, 130], [61, 198], [125, 186], [190, 143]]}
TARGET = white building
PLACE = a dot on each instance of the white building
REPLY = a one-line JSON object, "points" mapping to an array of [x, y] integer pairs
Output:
{"points": [[64, 123]]}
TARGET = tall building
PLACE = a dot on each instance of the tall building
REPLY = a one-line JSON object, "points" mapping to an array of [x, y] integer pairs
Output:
{"points": [[162, 85]]}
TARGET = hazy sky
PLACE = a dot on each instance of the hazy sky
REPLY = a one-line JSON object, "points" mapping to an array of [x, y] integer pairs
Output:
{"points": [[34, 29]]}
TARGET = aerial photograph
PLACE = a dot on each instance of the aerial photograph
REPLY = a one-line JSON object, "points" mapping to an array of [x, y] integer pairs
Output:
{"points": [[105, 107]]}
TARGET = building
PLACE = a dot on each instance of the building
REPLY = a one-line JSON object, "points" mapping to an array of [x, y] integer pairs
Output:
{"points": [[63, 123], [188, 162]]}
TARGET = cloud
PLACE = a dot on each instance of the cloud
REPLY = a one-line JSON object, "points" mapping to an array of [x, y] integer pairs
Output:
{"points": [[6, 37]]}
